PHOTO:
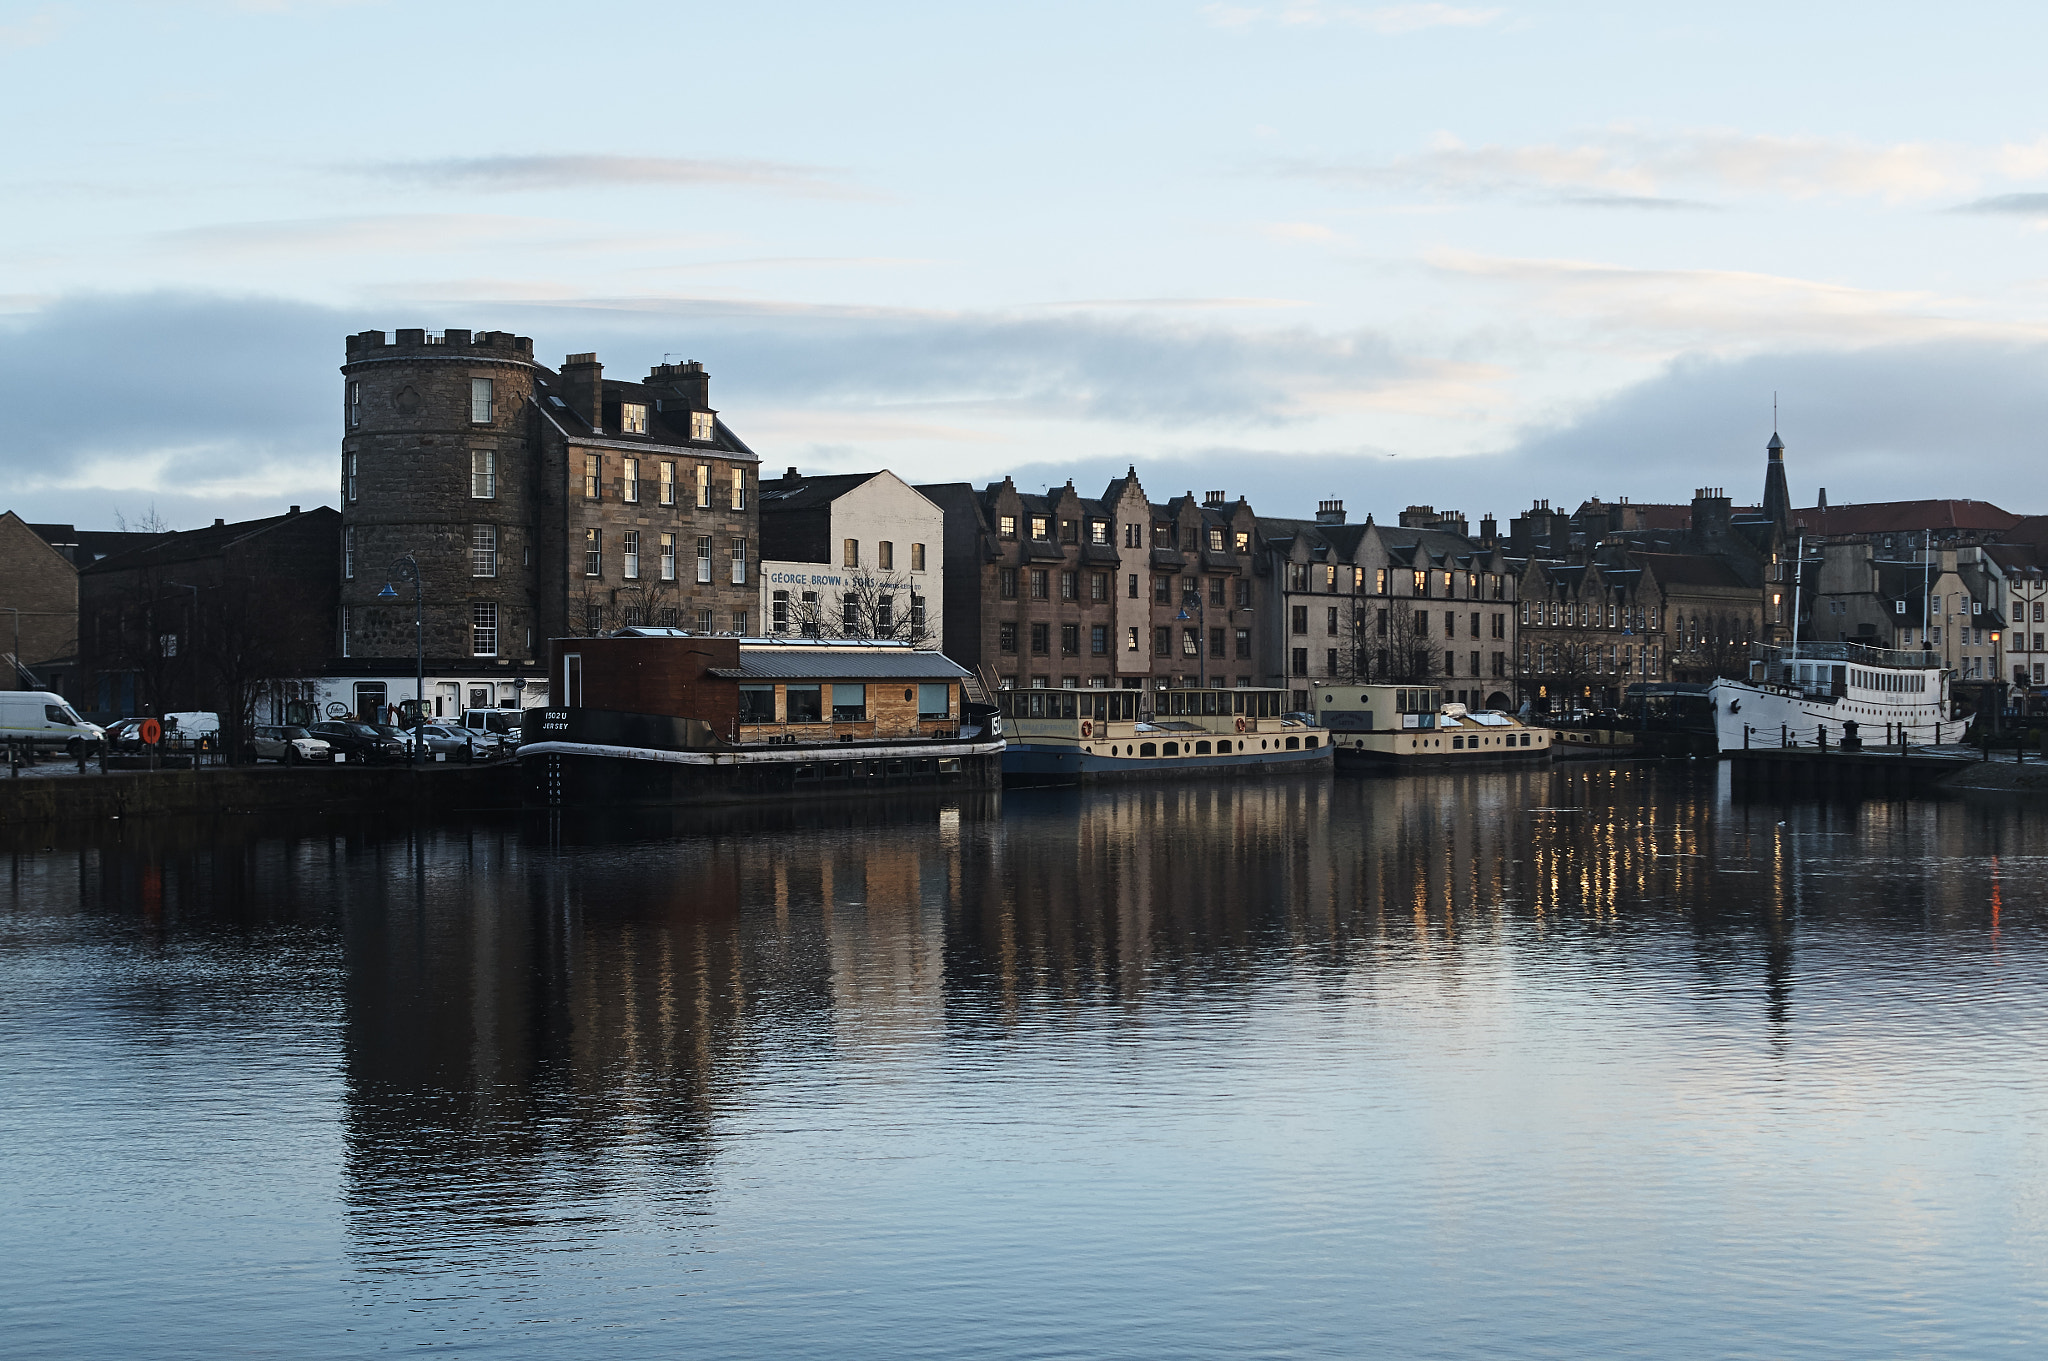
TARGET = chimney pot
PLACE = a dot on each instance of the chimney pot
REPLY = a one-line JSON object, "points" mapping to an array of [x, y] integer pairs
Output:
{"points": [[218, 522], [293, 511]]}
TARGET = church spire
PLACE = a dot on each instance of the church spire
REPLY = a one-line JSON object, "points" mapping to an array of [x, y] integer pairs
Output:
{"points": [[1777, 497]]}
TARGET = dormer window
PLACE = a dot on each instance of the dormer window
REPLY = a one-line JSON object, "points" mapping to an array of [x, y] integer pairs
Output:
{"points": [[1098, 532], [1006, 526], [703, 426], [1040, 526], [1215, 539], [632, 418]]}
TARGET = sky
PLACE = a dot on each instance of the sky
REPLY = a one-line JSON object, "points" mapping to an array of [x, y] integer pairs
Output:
{"points": [[1466, 255]]}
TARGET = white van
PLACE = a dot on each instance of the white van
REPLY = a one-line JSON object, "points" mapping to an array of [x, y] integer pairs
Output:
{"points": [[502, 724], [42, 719]]}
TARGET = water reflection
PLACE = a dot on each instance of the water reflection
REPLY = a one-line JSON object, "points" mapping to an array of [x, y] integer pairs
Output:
{"points": [[552, 1035]]}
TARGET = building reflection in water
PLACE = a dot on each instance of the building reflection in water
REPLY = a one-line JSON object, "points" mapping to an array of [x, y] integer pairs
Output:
{"points": [[597, 1005]]}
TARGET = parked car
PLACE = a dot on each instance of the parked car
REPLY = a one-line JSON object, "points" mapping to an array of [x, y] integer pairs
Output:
{"points": [[459, 744], [353, 741], [502, 724], [40, 718], [124, 734], [289, 745]]}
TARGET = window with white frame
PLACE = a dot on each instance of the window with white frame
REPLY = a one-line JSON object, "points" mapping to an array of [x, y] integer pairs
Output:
{"points": [[668, 557], [355, 405], [630, 548], [593, 476], [917, 612], [704, 560], [703, 486], [348, 555], [703, 426], [348, 476], [739, 562], [483, 474], [633, 418], [778, 612], [593, 553], [668, 484], [482, 400], [483, 629], [629, 478], [344, 630], [483, 550], [739, 489]]}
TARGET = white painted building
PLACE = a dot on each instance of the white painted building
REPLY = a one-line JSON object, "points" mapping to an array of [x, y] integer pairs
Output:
{"points": [[851, 555]]}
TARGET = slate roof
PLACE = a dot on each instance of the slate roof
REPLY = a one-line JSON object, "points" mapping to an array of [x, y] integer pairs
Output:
{"points": [[1891, 517], [850, 664], [190, 545], [809, 493], [1691, 569]]}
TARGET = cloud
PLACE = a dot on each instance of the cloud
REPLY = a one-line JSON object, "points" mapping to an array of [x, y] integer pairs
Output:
{"points": [[1386, 19], [2017, 205], [1628, 168], [1957, 417], [509, 174]]}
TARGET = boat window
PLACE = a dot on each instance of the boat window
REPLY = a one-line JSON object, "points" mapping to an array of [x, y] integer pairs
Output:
{"points": [[1148, 749], [1201, 748], [757, 704], [1311, 743], [1170, 749], [803, 703], [934, 701], [1209, 698], [1294, 744], [849, 702]]}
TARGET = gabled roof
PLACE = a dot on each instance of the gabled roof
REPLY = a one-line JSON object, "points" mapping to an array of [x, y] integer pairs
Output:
{"points": [[191, 545], [1691, 569], [809, 493]]}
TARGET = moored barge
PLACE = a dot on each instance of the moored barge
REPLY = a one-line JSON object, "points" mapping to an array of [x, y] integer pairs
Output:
{"points": [[665, 717], [1057, 737], [1410, 727]]}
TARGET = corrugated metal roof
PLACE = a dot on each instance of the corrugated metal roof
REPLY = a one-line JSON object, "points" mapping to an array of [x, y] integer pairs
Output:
{"points": [[822, 664]]}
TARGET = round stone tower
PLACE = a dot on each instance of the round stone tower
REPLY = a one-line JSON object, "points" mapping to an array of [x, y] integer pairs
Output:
{"points": [[435, 463]]}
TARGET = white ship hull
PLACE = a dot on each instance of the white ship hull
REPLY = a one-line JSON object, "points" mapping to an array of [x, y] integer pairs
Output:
{"points": [[1805, 701]]}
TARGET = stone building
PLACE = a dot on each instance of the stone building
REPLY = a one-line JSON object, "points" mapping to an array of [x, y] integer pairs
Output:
{"points": [[536, 502], [851, 555], [1419, 601], [1060, 590], [38, 610]]}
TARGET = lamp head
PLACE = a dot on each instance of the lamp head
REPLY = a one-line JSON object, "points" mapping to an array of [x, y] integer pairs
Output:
{"points": [[388, 593]]}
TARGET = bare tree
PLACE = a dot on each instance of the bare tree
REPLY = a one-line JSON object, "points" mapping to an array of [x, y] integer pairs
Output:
{"points": [[148, 522], [882, 607], [1392, 646], [250, 637]]}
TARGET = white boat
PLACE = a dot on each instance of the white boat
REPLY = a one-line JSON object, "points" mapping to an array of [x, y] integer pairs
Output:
{"points": [[1058, 737], [1809, 695], [1410, 727]]}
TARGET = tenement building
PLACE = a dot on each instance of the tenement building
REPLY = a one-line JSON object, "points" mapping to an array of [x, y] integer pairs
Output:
{"points": [[1061, 590], [530, 502]]}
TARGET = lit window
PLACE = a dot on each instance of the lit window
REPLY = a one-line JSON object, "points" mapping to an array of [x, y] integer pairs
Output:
{"points": [[703, 486], [593, 554], [629, 476], [1006, 526], [593, 471], [739, 489], [632, 418], [1040, 526], [630, 548], [481, 403], [483, 630], [703, 426], [668, 484], [483, 474], [483, 550]]}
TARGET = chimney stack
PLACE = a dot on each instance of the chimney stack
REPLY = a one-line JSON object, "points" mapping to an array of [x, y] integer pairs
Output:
{"points": [[1329, 512], [583, 376]]}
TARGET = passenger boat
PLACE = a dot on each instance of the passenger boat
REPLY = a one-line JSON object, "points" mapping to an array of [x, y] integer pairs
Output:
{"points": [[661, 717], [1808, 695], [1410, 727], [1085, 736]]}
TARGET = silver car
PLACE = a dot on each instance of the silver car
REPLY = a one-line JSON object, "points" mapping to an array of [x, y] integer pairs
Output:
{"points": [[457, 744]]}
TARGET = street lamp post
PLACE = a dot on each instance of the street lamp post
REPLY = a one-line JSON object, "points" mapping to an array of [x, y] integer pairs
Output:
{"points": [[407, 568]]}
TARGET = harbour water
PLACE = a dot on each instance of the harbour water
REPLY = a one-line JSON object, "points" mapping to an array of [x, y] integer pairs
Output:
{"points": [[1567, 1062]]}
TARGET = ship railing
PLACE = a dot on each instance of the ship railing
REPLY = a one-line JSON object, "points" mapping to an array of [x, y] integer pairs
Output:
{"points": [[1860, 654]]}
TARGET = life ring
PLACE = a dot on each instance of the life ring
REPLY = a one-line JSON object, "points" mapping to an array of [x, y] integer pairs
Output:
{"points": [[152, 732], [1240, 725], [1087, 728]]}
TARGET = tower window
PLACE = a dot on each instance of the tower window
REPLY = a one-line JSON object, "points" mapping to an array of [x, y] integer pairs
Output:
{"points": [[482, 401], [355, 405], [348, 554], [483, 630], [348, 476], [483, 550], [483, 474]]}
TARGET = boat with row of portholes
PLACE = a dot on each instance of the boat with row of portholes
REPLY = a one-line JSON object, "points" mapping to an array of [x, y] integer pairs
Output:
{"points": [[1808, 694], [1060, 737], [1412, 727]]}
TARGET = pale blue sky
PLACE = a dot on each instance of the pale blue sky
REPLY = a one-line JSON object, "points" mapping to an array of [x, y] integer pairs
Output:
{"points": [[1459, 253]]}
